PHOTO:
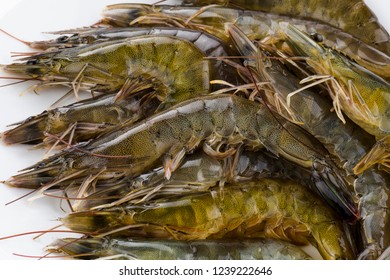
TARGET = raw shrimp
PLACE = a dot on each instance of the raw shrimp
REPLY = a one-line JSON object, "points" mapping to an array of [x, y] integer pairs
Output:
{"points": [[347, 142], [256, 25], [267, 208], [363, 96], [210, 45], [199, 172], [353, 16], [112, 66], [82, 120], [221, 123], [152, 249]]}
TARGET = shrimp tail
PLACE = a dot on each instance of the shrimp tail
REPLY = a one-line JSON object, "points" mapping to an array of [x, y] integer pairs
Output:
{"points": [[29, 68], [29, 131], [34, 179], [74, 247], [121, 15], [333, 189], [95, 221], [43, 174]]}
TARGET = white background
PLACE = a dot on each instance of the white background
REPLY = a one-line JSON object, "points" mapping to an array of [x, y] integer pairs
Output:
{"points": [[27, 20]]}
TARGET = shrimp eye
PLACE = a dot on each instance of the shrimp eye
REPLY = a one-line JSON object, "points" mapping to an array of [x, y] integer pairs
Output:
{"points": [[317, 37], [62, 39], [32, 62]]}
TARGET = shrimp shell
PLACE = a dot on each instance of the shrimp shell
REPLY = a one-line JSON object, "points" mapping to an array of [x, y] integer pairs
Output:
{"points": [[269, 208]]}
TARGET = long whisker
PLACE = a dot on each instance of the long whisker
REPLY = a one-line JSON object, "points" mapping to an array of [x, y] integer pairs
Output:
{"points": [[16, 38], [22, 80], [43, 231], [21, 197]]}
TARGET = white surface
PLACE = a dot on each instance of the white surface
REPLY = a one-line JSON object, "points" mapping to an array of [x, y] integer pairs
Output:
{"points": [[27, 20]]}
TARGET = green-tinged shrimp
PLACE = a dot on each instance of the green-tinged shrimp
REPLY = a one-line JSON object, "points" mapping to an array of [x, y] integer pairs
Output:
{"points": [[363, 96], [82, 120], [199, 172], [352, 16], [256, 25], [91, 117], [379, 154], [268, 208], [210, 45], [175, 67], [221, 123], [153, 249], [347, 142]]}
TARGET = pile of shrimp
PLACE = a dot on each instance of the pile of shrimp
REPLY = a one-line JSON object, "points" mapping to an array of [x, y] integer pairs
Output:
{"points": [[215, 130]]}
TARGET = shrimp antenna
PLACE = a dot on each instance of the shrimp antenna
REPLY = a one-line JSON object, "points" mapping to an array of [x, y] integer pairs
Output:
{"points": [[55, 250], [21, 197], [37, 257], [42, 232], [21, 80], [78, 198], [15, 38], [47, 256], [159, 2]]}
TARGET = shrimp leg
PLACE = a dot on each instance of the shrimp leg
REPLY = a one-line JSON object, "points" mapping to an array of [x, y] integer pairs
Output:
{"points": [[379, 154]]}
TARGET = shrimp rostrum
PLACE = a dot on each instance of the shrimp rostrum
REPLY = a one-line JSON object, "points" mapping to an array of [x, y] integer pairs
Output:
{"points": [[268, 208], [221, 123]]}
